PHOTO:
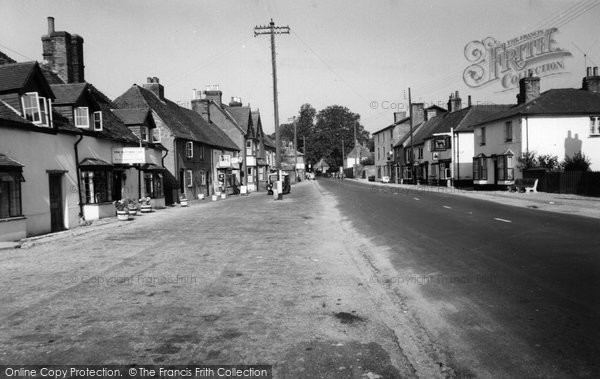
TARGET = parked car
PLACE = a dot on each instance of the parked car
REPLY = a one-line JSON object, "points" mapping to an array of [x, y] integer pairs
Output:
{"points": [[385, 179]]}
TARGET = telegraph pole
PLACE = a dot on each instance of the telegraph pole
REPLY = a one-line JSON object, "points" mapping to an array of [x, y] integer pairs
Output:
{"points": [[272, 30], [412, 152]]}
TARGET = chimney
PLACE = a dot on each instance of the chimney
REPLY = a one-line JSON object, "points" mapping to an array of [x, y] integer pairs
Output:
{"points": [[592, 81], [417, 113], [213, 93], [469, 101], [63, 54], [399, 116], [236, 102], [153, 85], [529, 88], [454, 102]]}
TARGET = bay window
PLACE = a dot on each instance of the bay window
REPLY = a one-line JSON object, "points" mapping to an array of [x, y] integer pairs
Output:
{"points": [[505, 168], [97, 186], [10, 194], [480, 168], [154, 184]]}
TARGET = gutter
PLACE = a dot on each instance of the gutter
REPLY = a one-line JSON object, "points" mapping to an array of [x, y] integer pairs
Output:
{"points": [[77, 172]]}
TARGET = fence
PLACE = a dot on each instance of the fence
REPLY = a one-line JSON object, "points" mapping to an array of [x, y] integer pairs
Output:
{"points": [[585, 183]]}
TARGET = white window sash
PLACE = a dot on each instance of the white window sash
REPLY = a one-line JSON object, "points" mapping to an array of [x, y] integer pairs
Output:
{"points": [[35, 108], [85, 116], [156, 135], [96, 114]]}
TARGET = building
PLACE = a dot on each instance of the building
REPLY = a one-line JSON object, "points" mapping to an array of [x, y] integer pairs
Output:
{"points": [[561, 122], [385, 139], [197, 151]]}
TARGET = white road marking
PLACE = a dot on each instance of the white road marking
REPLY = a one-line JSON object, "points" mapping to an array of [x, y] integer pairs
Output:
{"points": [[416, 198], [501, 219], [447, 207]]}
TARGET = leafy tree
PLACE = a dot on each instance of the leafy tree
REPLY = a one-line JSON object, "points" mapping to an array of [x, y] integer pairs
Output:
{"points": [[548, 161], [578, 162], [528, 160]]}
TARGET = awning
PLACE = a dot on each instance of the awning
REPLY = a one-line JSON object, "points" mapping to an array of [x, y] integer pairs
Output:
{"points": [[9, 164], [151, 167], [94, 163]]}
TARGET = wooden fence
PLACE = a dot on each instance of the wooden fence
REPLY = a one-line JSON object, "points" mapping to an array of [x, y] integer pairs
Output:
{"points": [[585, 183]]}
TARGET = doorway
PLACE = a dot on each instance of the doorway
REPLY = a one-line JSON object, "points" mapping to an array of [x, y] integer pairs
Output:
{"points": [[57, 222]]}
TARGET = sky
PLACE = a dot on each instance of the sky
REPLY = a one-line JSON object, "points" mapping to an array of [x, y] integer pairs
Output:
{"points": [[360, 54]]}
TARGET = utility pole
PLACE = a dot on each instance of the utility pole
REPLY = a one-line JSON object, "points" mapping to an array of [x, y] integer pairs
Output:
{"points": [[272, 30], [412, 152], [295, 121]]}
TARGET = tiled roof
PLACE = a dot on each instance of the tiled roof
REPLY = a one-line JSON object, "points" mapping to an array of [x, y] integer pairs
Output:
{"points": [[68, 93], [183, 123], [8, 114], [4, 59], [132, 116], [8, 162], [269, 142], [406, 139], [14, 76], [479, 113], [241, 115], [564, 101]]}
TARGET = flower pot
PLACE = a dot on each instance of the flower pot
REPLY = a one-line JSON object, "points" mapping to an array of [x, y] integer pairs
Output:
{"points": [[183, 203], [133, 211], [123, 215], [146, 208], [223, 196], [214, 197], [200, 196]]}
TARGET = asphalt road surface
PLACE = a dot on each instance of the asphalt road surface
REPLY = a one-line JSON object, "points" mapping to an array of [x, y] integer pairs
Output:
{"points": [[507, 291]]}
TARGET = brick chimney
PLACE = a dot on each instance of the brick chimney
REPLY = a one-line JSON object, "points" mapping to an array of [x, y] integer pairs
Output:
{"points": [[529, 88], [200, 104], [213, 93], [399, 116], [153, 85], [591, 82], [417, 113], [235, 102], [454, 102], [63, 54]]}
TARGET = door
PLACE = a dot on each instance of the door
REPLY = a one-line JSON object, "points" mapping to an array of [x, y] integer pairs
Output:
{"points": [[117, 183], [57, 222]]}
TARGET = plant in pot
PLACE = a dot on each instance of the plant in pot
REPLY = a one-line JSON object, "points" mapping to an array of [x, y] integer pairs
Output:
{"points": [[183, 201], [145, 205], [122, 210], [132, 206]]}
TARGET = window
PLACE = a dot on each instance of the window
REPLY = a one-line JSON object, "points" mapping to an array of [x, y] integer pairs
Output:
{"points": [[36, 109], [97, 186], [144, 133], [189, 149], [480, 168], [82, 117], [201, 150], [153, 184], [505, 168], [594, 126], [482, 137], [407, 173], [420, 153], [508, 131], [97, 118], [156, 135], [378, 154], [250, 174], [189, 180], [10, 194], [202, 177], [249, 150]]}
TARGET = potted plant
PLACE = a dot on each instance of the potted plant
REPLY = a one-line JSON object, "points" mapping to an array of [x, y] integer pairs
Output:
{"points": [[132, 206], [145, 206], [122, 211], [183, 201]]}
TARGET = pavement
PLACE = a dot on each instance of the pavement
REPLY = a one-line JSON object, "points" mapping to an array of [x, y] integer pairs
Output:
{"points": [[246, 280], [552, 202]]}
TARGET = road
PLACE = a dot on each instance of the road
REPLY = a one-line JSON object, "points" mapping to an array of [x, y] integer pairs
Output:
{"points": [[506, 291]]}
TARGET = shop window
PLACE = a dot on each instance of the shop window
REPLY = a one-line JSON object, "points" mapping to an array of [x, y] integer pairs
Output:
{"points": [[82, 117], [97, 186], [10, 194], [154, 184]]}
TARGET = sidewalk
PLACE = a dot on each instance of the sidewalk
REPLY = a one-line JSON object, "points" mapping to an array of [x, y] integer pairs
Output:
{"points": [[553, 202]]}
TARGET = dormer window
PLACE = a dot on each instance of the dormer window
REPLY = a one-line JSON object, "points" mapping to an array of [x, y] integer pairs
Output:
{"points": [[97, 118], [82, 117], [36, 108], [144, 133]]}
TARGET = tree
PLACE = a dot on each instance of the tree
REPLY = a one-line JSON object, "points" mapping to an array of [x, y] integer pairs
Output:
{"points": [[548, 161], [578, 162], [304, 126], [335, 124]]}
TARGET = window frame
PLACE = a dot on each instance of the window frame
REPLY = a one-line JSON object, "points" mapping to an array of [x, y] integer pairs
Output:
{"points": [[96, 122], [189, 178], [14, 199], [508, 131], [156, 138], [92, 187], [40, 113], [76, 117], [482, 136], [189, 149], [480, 168], [594, 126]]}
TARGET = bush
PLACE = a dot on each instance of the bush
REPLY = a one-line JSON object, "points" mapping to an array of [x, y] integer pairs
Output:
{"points": [[578, 162], [549, 162]]}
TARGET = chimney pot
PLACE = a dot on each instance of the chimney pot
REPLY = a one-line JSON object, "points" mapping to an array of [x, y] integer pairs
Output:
{"points": [[588, 71], [149, 80], [50, 25], [469, 100], [596, 71], [456, 94]]}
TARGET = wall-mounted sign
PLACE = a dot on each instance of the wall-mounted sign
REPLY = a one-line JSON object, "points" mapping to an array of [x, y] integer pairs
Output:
{"points": [[224, 161], [507, 62], [128, 155], [436, 156]]}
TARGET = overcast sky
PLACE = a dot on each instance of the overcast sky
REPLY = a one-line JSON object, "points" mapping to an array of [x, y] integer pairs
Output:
{"points": [[359, 54]]}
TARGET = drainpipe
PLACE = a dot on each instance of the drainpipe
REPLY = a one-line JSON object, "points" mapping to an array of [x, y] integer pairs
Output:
{"points": [[77, 172]]}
